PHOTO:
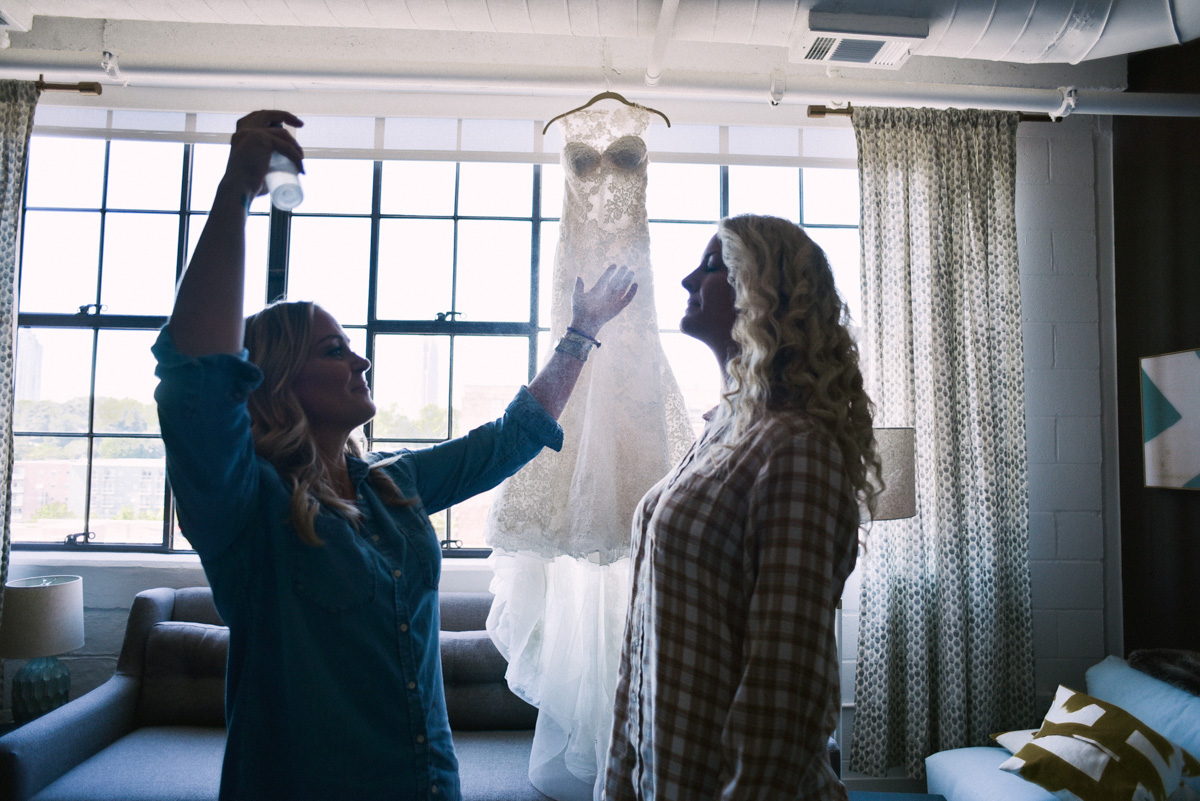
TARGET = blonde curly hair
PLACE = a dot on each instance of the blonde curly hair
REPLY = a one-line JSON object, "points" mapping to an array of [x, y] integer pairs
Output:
{"points": [[793, 349], [278, 341]]}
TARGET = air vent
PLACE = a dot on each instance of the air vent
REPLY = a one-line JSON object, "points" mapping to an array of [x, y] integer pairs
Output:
{"points": [[859, 40]]}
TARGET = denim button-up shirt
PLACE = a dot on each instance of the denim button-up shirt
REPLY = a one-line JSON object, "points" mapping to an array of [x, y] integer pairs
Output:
{"points": [[334, 681]]}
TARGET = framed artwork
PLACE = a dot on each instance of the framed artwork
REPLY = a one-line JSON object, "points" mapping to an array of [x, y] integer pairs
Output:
{"points": [[1171, 419]]}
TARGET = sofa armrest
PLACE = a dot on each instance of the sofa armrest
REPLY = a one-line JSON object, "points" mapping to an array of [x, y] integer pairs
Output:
{"points": [[42, 750]]}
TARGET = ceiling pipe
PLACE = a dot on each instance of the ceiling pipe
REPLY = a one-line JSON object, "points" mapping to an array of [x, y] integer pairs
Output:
{"points": [[801, 90], [662, 37]]}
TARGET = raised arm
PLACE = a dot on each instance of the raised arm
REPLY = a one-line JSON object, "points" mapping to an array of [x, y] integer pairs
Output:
{"points": [[207, 317], [590, 310]]}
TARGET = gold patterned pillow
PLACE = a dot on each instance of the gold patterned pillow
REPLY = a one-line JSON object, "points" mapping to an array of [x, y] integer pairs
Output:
{"points": [[1091, 750]]}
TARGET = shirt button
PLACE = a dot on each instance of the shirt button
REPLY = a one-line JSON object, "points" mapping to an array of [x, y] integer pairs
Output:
{"points": [[397, 573], [412, 685], [420, 738], [374, 538], [404, 627], [433, 789]]}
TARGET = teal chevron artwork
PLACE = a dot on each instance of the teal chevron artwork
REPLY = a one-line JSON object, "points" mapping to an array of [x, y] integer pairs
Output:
{"points": [[1171, 419]]}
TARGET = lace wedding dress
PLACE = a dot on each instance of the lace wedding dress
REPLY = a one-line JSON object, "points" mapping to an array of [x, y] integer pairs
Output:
{"points": [[560, 528]]}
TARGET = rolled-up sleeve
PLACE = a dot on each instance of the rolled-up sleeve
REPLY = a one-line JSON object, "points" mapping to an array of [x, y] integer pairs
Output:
{"points": [[210, 452]]}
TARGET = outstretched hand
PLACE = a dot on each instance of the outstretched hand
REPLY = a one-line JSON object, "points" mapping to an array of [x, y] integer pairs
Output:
{"points": [[594, 307], [258, 135]]}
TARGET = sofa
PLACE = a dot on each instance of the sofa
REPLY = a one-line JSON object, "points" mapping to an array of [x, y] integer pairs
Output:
{"points": [[155, 731], [974, 774]]}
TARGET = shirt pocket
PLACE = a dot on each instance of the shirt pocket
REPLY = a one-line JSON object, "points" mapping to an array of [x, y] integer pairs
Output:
{"points": [[337, 576]]}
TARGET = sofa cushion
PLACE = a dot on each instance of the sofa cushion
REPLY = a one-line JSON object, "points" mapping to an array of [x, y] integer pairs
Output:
{"points": [[465, 611], [494, 765], [184, 682], [1092, 750], [972, 774], [477, 694], [169, 763]]}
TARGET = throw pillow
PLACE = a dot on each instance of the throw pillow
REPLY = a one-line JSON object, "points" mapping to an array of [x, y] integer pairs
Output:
{"points": [[1091, 750], [1011, 741]]}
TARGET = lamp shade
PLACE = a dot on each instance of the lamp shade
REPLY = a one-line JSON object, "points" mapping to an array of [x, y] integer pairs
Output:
{"points": [[42, 616], [896, 448]]}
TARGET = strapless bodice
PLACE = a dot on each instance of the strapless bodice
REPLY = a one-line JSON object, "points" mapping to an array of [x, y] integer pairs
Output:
{"points": [[626, 153]]}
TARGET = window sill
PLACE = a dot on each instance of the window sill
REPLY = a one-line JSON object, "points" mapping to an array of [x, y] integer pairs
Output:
{"points": [[109, 577]]}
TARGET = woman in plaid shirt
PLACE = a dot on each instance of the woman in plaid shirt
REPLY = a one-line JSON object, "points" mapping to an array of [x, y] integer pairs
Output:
{"points": [[729, 669]]}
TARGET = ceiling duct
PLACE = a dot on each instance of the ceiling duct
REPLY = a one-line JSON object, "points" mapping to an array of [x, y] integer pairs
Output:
{"points": [[859, 40]]}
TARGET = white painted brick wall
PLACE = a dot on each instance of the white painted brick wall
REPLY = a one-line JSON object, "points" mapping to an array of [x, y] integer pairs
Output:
{"points": [[1060, 295]]}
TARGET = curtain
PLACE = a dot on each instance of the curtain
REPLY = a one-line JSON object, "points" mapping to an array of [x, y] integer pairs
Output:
{"points": [[945, 650], [17, 101]]}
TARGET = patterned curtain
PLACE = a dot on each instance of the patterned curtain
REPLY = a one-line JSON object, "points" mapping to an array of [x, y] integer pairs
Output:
{"points": [[945, 650], [17, 101]]}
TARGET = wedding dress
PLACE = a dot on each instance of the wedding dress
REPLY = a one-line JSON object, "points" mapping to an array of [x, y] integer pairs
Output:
{"points": [[560, 528]]}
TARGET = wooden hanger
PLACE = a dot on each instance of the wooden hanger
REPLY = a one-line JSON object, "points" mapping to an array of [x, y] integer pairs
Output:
{"points": [[606, 96]]}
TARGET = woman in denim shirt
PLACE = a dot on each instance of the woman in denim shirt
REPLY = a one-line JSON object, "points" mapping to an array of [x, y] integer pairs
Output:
{"points": [[322, 559]]}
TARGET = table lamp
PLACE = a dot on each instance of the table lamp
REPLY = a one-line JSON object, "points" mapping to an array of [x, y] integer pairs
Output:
{"points": [[41, 617], [896, 448]]}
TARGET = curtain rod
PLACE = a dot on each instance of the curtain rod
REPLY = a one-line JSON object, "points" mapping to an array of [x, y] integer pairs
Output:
{"points": [[82, 87], [820, 112]]}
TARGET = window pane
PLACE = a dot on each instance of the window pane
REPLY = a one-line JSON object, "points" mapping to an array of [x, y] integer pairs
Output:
{"points": [[59, 260], [411, 387], [140, 251], [416, 267], [208, 167], [418, 187], [128, 477], [467, 519], [695, 368], [514, 136], [493, 271], [53, 382], [675, 250], [336, 186], [495, 190], [328, 263], [144, 175], [48, 488], [683, 192], [765, 190], [487, 373], [258, 232], [553, 188], [830, 196], [125, 383], [65, 173], [841, 246]]}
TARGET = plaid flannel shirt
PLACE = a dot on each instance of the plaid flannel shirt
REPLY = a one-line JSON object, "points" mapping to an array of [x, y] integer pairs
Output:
{"points": [[729, 668]]}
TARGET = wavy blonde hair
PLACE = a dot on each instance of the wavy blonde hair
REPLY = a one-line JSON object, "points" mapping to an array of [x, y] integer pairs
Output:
{"points": [[278, 340], [793, 349]]}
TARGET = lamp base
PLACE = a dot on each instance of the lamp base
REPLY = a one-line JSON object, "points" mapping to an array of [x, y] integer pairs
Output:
{"points": [[43, 684]]}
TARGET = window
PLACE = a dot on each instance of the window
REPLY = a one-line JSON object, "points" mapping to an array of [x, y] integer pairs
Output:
{"points": [[431, 241]]}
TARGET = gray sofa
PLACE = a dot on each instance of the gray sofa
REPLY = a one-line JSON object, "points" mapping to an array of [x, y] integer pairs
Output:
{"points": [[156, 730]]}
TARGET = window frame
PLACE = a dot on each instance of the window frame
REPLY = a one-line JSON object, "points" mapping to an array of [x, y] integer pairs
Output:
{"points": [[96, 320]]}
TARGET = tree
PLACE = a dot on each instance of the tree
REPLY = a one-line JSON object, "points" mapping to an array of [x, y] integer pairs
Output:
{"points": [[55, 510]]}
